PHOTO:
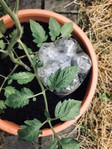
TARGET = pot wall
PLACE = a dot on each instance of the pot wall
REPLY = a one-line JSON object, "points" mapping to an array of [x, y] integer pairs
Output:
{"points": [[79, 35]]}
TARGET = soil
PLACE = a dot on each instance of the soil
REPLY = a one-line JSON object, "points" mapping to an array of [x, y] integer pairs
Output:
{"points": [[34, 109]]}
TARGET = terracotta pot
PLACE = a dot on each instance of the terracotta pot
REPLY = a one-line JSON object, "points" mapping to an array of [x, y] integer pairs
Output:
{"points": [[43, 16]]}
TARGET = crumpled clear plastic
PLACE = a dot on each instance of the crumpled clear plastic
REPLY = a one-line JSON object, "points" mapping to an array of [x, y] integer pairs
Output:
{"points": [[60, 54]]}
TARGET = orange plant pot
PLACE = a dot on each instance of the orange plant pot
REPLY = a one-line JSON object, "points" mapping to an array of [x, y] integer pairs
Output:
{"points": [[79, 35]]}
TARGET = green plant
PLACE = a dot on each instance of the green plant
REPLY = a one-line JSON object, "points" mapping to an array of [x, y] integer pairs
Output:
{"points": [[66, 110]]}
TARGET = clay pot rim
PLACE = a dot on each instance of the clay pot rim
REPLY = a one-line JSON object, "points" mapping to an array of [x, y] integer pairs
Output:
{"points": [[13, 128]]}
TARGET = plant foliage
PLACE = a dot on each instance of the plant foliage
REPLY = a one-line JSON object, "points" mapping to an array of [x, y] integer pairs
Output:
{"points": [[62, 78], [38, 33], [30, 131], [19, 99], [22, 77], [68, 109], [14, 98]]}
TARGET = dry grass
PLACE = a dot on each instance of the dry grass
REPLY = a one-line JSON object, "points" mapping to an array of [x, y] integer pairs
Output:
{"points": [[94, 129]]}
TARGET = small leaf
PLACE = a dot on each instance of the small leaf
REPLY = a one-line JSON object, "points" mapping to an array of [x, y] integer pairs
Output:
{"points": [[2, 105], [9, 90], [54, 144], [66, 30], [2, 44], [39, 64], [23, 77], [54, 28], [38, 33], [68, 109], [19, 99], [3, 55], [20, 47], [62, 78], [29, 50], [102, 97], [1, 35], [34, 59], [70, 143], [10, 81], [2, 27], [47, 115], [13, 33], [110, 97], [30, 131]]}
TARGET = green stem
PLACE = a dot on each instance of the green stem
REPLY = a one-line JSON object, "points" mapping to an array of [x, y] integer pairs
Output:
{"points": [[46, 103], [3, 51], [17, 36], [16, 7], [7, 77], [35, 71], [2, 76], [6, 39], [55, 134], [37, 94], [54, 119], [19, 62], [17, 39], [17, 24], [26, 52]]}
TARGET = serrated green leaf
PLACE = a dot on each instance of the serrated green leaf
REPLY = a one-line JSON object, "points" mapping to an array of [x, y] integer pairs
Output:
{"points": [[30, 131], [2, 105], [2, 44], [54, 28], [9, 90], [70, 143], [38, 33], [62, 78], [23, 77], [20, 98], [66, 30], [67, 110], [54, 144], [2, 27]]}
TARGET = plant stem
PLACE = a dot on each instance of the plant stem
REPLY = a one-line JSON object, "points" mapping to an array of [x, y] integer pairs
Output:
{"points": [[2, 76], [35, 71], [19, 62], [17, 23], [26, 52], [6, 39], [55, 134], [37, 94], [8, 77], [17, 36], [16, 7], [3, 51]]}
